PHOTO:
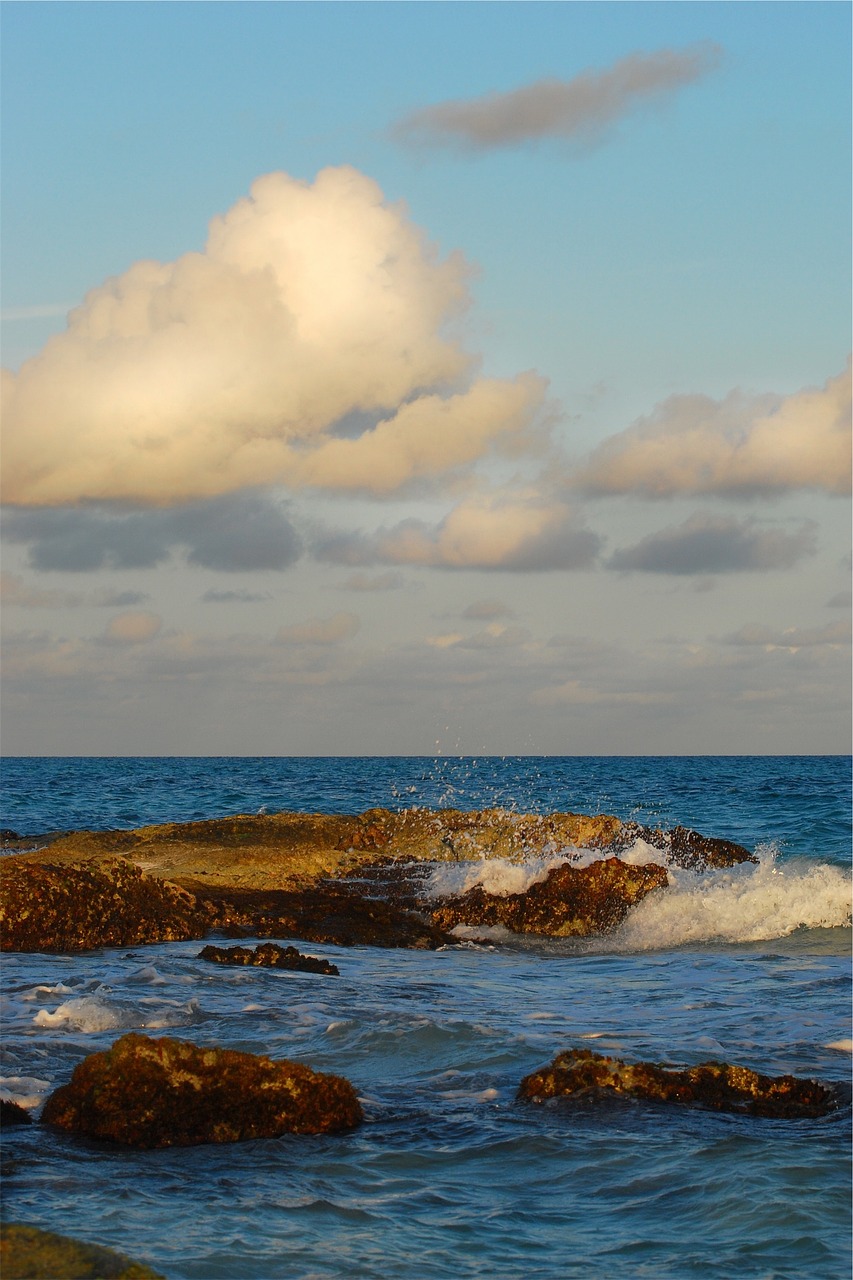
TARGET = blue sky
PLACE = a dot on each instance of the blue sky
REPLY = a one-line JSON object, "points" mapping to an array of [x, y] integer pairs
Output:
{"points": [[670, 270]]}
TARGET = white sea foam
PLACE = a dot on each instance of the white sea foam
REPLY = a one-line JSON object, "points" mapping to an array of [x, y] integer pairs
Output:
{"points": [[498, 876], [748, 903], [95, 1013], [27, 1091], [843, 1046]]}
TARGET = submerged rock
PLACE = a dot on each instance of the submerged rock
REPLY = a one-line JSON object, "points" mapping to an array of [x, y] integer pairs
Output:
{"points": [[26, 1253], [569, 902], [13, 1113], [269, 956], [717, 1085], [46, 907], [149, 1093]]}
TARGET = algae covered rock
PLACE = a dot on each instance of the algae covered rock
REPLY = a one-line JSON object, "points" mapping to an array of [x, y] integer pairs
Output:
{"points": [[26, 1253], [48, 907], [150, 1093], [716, 1085], [269, 956], [569, 902]]}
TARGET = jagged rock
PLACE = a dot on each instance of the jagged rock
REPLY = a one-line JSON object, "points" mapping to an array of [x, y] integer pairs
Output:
{"points": [[270, 957], [26, 1253], [149, 1093], [717, 1085], [570, 902], [686, 848], [13, 1113], [78, 908]]}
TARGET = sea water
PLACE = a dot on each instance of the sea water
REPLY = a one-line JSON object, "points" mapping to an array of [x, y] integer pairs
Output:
{"points": [[450, 1176]]}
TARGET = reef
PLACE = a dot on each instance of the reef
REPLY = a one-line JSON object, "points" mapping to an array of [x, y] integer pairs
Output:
{"points": [[269, 956], [579, 1073], [26, 1253], [47, 907], [326, 878], [569, 902], [149, 1093]]}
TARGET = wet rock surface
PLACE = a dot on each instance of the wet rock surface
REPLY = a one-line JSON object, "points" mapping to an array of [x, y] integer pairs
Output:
{"points": [[26, 1253], [686, 848], [269, 956], [570, 902], [149, 1093], [48, 907], [12, 1113], [579, 1073]]}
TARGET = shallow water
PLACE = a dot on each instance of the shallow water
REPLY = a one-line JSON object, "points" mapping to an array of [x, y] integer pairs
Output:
{"points": [[450, 1176]]}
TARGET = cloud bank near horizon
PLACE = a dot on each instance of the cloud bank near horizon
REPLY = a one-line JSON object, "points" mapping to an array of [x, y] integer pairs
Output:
{"points": [[578, 110], [307, 345]]}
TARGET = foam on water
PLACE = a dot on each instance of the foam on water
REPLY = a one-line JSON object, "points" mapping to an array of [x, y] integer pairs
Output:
{"points": [[97, 1013]]}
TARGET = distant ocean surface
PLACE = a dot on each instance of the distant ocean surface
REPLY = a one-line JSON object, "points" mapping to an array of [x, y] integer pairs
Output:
{"points": [[449, 1176]]}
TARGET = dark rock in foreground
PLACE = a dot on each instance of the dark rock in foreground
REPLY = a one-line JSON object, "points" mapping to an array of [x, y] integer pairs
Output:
{"points": [[26, 1253], [79, 908], [269, 956], [13, 1113], [716, 1085], [570, 902], [150, 1093]]}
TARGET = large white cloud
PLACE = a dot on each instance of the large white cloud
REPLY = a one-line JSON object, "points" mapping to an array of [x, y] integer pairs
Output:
{"points": [[741, 445], [306, 344]]}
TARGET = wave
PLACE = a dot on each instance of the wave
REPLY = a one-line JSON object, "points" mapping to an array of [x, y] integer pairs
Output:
{"points": [[95, 1013]]}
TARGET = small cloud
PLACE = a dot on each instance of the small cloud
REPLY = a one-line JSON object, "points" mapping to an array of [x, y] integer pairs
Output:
{"points": [[320, 631], [487, 610], [373, 582], [792, 638], [843, 600], [132, 628], [579, 110], [235, 597], [575, 693], [740, 446], [119, 599], [706, 544]]}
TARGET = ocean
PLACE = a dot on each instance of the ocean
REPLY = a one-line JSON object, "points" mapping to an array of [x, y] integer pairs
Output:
{"points": [[450, 1176]]}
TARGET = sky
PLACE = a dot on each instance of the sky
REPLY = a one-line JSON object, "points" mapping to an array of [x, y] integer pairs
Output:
{"points": [[426, 378]]}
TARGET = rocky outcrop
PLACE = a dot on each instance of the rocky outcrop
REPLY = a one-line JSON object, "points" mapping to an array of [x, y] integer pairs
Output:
{"points": [[570, 902], [685, 848], [269, 956], [47, 907], [715, 1085], [13, 1113], [149, 1093], [26, 1253]]}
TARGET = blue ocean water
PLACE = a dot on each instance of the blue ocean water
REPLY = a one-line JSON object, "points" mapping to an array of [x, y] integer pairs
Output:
{"points": [[450, 1176]]}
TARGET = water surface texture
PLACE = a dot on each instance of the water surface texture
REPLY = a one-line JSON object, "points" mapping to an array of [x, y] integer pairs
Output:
{"points": [[450, 1176]]}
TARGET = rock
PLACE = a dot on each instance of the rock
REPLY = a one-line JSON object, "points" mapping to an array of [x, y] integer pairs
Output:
{"points": [[149, 1093], [78, 908], [686, 848], [13, 1113], [716, 1085], [269, 956], [570, 902], [26, 1253]]}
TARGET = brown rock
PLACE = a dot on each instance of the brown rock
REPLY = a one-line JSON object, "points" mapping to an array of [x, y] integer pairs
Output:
{"points": [[26, 1253], [150, 1093], [717, 1085], [269, 956], [687, 848], [78, 908], [570, 902]]}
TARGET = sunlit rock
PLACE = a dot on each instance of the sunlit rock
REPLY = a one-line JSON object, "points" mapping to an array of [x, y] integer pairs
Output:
{"points": [[26, 1253], [150, 1093], [269, 956]]}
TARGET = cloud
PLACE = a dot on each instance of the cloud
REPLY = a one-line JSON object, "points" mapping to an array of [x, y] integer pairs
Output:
{"points": [[16, 592], [235, 597], [740, 446], [320, 631], [793, 638], [307, 344], [374, 582], [576, 110], [841, 600], [576, 693], [716, 544], [487, 610], [484, 531], [239, 532], [132, 628]]}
